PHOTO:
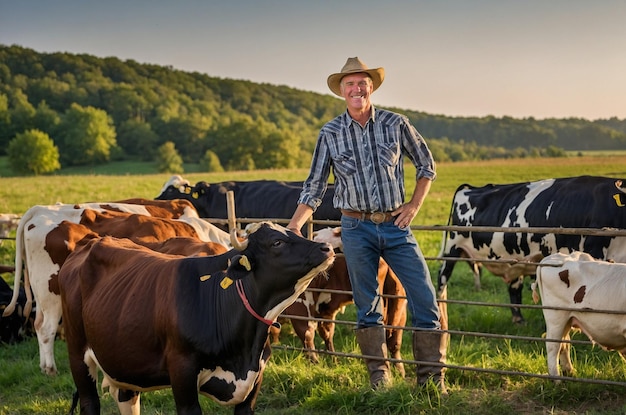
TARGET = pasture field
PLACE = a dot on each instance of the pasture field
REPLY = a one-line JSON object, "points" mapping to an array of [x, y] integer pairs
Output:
{"points": [[294, 386]]}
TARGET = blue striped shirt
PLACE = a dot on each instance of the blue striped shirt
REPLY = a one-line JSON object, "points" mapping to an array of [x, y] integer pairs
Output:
{"points": [[366, 161]]}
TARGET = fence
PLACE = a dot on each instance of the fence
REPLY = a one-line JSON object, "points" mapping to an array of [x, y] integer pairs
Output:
{"points": [[445, 301]]}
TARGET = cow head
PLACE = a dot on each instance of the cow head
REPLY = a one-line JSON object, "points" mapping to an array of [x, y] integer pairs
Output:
{"points": [[175, 188], [277, 265], [331, 236]]}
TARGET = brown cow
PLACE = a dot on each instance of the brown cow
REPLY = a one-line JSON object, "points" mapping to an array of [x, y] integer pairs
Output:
{"points": [[153, 233], [181, 321], [43, 247]]}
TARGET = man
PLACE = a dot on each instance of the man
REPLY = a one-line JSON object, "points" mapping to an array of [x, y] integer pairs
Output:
{"points": [[364, 148]]}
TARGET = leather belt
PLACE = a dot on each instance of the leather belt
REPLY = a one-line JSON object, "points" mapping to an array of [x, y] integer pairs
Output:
{"points": [[376, 217]]}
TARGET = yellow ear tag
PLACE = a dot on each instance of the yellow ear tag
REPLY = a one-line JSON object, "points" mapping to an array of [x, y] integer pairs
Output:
{"points": [[243, 261], [226, 282], [205, 277]]}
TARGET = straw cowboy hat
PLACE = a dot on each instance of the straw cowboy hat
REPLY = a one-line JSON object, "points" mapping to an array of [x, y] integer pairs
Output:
{"points": [[355, 65]]}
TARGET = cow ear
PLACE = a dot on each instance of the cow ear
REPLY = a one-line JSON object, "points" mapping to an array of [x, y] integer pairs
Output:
{"points": [[239, 266], [244, 262]]}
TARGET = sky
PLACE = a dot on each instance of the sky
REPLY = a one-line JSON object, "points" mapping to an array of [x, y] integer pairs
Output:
{"points": [[517, 58]]}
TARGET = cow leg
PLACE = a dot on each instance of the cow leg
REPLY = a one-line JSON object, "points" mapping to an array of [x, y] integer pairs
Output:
{"points": [[46, 328], [309, 341], [443, 307], [515, 296], [564, 354], [305, 330], [247, 406], [394, 344], [128, 402], [395, 315], [558, 327], [89, 401], [552, 352], [84, 374], [326, 330], [184, 387], [445, 272]]}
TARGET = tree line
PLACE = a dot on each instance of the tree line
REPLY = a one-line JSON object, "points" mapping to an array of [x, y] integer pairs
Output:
{"points": [[62, 109]]}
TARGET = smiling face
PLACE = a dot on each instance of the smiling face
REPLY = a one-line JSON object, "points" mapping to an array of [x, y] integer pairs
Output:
{"points": [[356, 90]]}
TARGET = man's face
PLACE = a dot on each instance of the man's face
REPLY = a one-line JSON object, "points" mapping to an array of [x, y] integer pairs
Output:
{"points": [[356, 90]]}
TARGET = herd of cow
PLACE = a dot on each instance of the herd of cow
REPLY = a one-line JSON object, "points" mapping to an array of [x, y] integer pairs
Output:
{"points": [[148, 277]]}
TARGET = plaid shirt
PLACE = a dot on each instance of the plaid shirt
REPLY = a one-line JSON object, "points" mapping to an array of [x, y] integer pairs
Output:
{"points": [[367, 162]]}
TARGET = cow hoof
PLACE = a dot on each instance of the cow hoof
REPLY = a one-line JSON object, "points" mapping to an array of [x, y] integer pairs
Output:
{"points": [[399, 366], [313, 358], [50, 371], [519, 321]]}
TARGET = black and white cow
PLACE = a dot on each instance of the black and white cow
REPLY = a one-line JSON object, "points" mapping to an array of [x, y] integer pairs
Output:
{"points": [[574, 202], [181, 322], [268, 199]]}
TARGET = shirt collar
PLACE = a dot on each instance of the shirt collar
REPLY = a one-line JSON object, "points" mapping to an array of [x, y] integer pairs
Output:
{"points": [[348, 118]]}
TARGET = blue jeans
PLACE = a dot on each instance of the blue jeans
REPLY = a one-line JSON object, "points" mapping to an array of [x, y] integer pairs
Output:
{"points": [[363, 244]]}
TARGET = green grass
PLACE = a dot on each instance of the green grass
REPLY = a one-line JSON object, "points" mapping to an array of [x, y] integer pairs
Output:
{"points": [[291, 384]]}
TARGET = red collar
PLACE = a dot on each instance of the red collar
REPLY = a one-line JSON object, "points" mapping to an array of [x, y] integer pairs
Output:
{"points": [[244, 299]]}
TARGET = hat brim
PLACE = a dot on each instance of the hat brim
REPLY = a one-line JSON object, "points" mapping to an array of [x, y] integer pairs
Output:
{"points": [[377, 75]]}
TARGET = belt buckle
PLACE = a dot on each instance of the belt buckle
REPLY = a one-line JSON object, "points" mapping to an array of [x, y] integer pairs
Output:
{"points": [[378, 217]]}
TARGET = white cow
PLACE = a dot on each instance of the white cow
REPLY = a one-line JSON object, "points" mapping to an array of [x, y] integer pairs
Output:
{"points": [[40, 267], [578, 281]]}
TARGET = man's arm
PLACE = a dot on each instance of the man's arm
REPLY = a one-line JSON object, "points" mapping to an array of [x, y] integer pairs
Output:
{"points": [[407, 212], [300, 216]]}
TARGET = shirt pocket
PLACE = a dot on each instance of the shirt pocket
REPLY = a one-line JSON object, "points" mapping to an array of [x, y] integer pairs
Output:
{"points": [[344, 163], [389, 153]]}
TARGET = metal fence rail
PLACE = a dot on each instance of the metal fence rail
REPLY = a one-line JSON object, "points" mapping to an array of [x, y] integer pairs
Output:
{"points": [[568, 231], [611, 232]]}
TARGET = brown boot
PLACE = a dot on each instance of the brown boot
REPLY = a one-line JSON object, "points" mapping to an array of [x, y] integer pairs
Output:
{"points": [[372, 343], [431, 346]]}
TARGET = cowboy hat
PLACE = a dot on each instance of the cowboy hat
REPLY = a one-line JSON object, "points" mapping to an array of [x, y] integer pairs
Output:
{"points": [[355, 65]]}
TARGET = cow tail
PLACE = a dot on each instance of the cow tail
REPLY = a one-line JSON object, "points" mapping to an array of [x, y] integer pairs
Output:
{"points": [[19, 254], [535, 285], [28, 307], [74, 402]]}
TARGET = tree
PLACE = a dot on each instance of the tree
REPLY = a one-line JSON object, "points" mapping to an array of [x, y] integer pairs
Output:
{"points": [[211, 162], [124, 103], [46, 119], [88, 136], [20, 116], [137, 139], [33, 152], [6, 130], [248, 144], [168, 159]]}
